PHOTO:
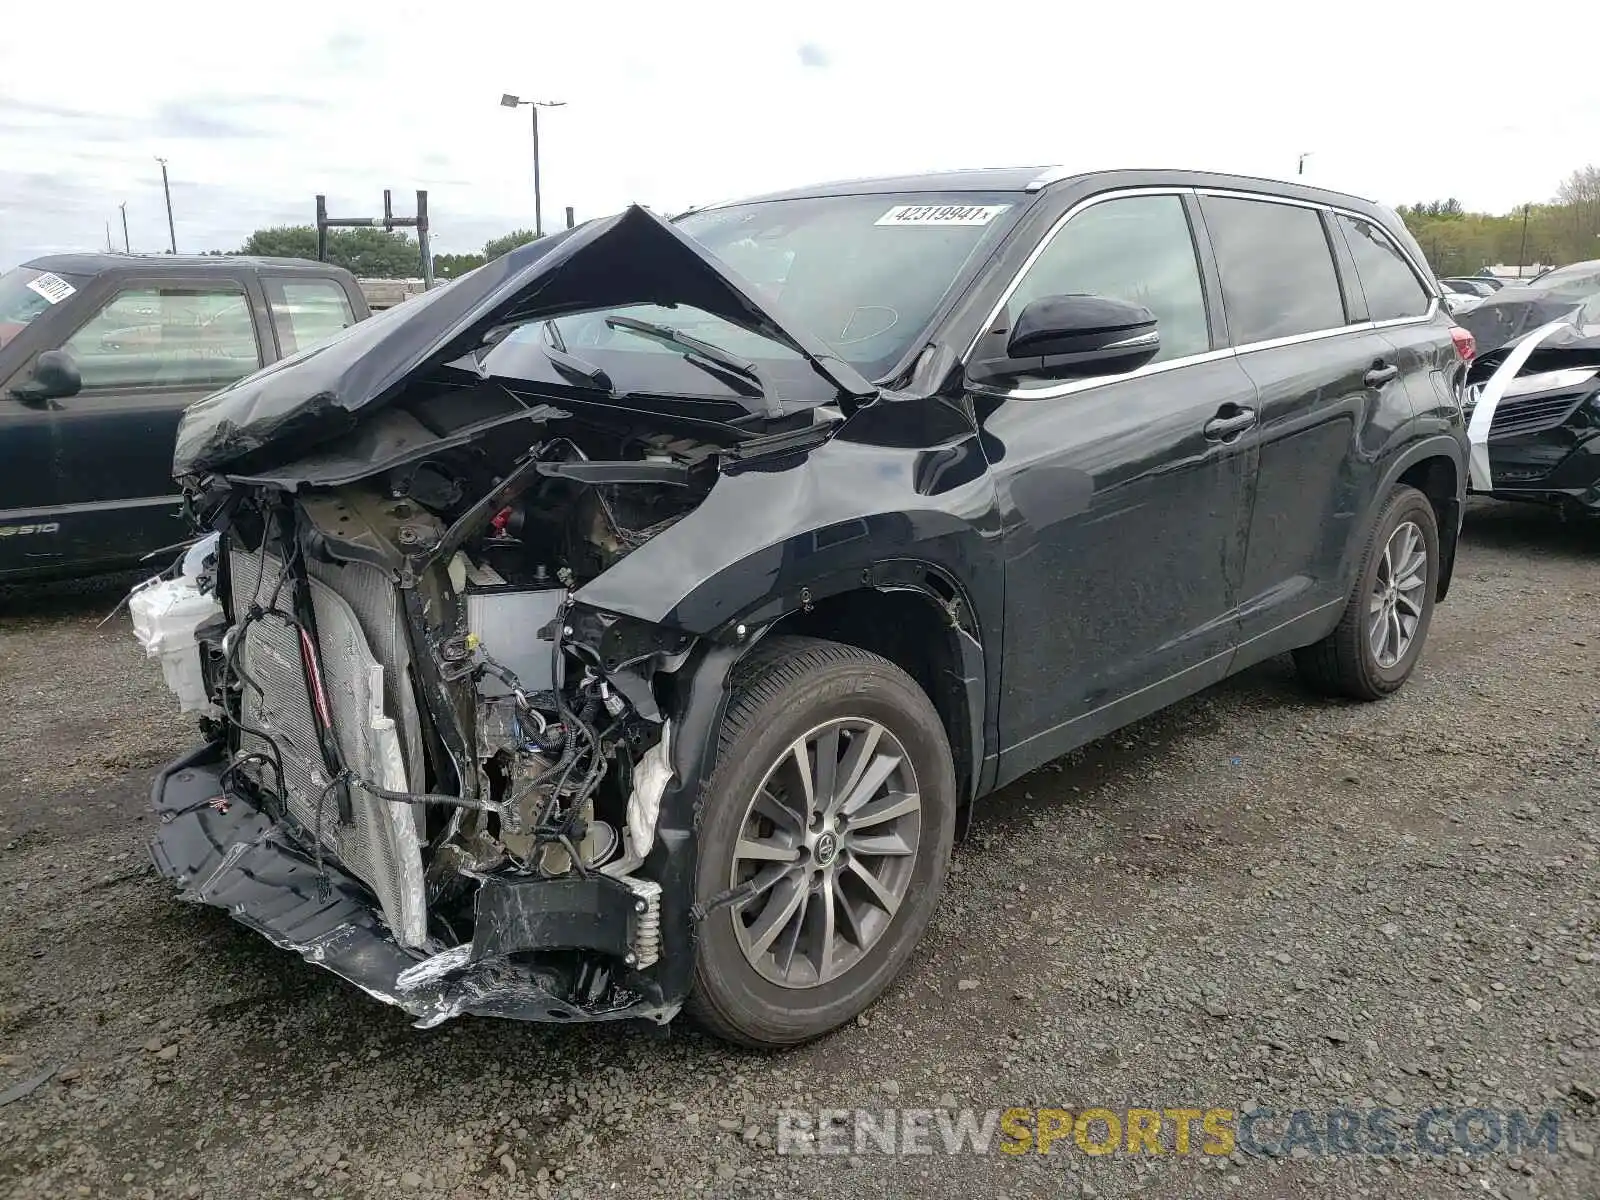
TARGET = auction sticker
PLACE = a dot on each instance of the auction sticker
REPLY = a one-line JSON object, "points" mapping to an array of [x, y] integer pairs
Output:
{"points": [[941, 214], [52, 287]]}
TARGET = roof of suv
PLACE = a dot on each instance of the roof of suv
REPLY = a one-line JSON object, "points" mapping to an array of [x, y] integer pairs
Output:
{"points": [[1033, 179], [101, 263]]}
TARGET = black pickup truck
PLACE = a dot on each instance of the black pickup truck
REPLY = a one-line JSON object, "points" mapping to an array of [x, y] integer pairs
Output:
{"points": [[99, 355]]}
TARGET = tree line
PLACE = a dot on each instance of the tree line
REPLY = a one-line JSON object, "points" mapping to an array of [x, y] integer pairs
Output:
{"points": [[373, 253], [1562, 230]]}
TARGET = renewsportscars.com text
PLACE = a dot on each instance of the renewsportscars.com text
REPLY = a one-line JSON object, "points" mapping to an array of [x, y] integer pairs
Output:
{"points": [[1378, 1132]]}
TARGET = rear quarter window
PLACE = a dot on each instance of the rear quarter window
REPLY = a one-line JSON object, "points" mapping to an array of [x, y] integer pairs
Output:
{"points": [[1278, 278], [1392, 288]]}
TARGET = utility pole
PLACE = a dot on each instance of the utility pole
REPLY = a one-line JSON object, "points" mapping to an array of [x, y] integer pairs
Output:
{"points": [[1522, 252], [124, 207], [172, 235], [509, 101]]}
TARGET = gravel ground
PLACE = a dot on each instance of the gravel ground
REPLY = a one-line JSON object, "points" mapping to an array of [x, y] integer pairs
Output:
{"points": [[1253, 900]]}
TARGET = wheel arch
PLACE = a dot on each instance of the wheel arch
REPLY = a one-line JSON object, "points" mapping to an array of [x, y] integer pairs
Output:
{"points": [[1436, 467], [921, 621]]}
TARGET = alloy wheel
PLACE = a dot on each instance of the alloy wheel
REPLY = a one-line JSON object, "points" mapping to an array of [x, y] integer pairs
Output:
{"points": [[826, 852], [1398, 594]]}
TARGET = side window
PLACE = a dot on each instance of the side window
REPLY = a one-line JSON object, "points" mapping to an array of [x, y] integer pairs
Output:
{"points": [[1138, 249], [1277, 271], [307, 311], [1391, 286], [167, 336]]}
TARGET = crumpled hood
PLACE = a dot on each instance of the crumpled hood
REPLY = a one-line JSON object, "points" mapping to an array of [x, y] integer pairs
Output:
{"points": [[1557, 350], [632, 258], [1513, 312]]}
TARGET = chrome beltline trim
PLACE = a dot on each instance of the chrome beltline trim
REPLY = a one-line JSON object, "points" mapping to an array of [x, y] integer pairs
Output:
{"points": [[1073, 386]]}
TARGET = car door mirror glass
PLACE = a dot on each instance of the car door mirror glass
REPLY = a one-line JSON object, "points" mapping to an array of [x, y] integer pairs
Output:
{"points": [[55, 377]]}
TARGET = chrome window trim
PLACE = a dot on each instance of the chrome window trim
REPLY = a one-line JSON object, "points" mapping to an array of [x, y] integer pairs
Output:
{"points": [[1073, 386], [1430, 288], [1050, 391], [1391, 322], [1294, 339], [1050, 235]]}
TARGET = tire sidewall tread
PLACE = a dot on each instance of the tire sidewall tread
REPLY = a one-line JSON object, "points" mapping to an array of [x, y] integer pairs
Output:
{"points": [[1343, 663], [785, 686]]}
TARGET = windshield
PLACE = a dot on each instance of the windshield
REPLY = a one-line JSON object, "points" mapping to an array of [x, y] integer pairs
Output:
{"points": [[25, 293], [865, 274]]}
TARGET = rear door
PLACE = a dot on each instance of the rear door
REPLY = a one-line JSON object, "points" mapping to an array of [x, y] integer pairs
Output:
{"points": [[151, 347], [1404, 309], [1331, 397]]}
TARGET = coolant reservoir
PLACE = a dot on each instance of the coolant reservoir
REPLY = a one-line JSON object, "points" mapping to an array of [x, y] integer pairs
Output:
{"points": [[166, 613]]}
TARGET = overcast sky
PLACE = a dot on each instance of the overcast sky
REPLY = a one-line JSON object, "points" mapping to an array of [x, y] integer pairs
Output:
{"points": [[258, 107]]}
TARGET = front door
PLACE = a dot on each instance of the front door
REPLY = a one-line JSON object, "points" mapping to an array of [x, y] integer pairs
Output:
{"points": [[151, 348], [1125, 498]]}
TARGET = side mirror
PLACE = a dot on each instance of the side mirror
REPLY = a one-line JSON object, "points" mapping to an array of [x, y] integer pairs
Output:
{"points": [[1075, 337], [55, 377]]}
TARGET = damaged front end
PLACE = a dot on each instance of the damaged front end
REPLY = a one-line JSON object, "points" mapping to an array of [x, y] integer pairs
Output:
{"points": [[1534, 420], [426, 775], [431, 767]]}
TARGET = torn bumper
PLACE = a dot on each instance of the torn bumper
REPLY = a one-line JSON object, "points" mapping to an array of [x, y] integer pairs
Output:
{"points": [[233, 856]]}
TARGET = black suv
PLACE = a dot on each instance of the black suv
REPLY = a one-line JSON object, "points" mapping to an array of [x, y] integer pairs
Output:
{"points": [[628, 625]]}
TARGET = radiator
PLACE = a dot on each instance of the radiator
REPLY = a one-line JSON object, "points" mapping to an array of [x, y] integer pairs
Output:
{"points": [[363, 654]]}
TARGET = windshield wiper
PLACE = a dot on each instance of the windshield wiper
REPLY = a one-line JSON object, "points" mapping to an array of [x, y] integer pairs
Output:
{"points": [[738, 373], [568, 365]]}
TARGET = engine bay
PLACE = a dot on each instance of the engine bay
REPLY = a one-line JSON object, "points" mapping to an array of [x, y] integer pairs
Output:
{"points": [[470, 744]]}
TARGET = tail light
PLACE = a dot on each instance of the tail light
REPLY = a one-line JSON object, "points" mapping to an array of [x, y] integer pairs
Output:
{"points": [[1466, 344]]}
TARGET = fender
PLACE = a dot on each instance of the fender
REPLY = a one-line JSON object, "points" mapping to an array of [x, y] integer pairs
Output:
{"points": [[702, 694], [767, 544]]}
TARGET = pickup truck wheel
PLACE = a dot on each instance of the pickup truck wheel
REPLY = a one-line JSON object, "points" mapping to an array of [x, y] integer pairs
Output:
{"points": [[825, 829], [1379, 638]]}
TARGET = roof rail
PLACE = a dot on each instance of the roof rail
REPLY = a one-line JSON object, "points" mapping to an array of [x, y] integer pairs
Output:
{"points": [[1047, 177]]}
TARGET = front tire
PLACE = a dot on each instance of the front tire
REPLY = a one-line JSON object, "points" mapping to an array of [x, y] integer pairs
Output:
{"points": [[1379, 639], [831, 810]]}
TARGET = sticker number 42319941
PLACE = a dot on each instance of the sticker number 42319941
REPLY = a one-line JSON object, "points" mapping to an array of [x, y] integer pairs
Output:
{"points": [[941, 214]]}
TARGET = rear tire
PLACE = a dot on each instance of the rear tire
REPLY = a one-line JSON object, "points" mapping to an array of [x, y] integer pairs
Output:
{"points": [[1379, 639], [837, 900]]}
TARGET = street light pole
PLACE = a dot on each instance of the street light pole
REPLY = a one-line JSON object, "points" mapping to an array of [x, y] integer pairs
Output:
{"points": [[509, 101], [172, 233], [124, 207], [538, 201], [1522, 251], [1300, 168]]}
